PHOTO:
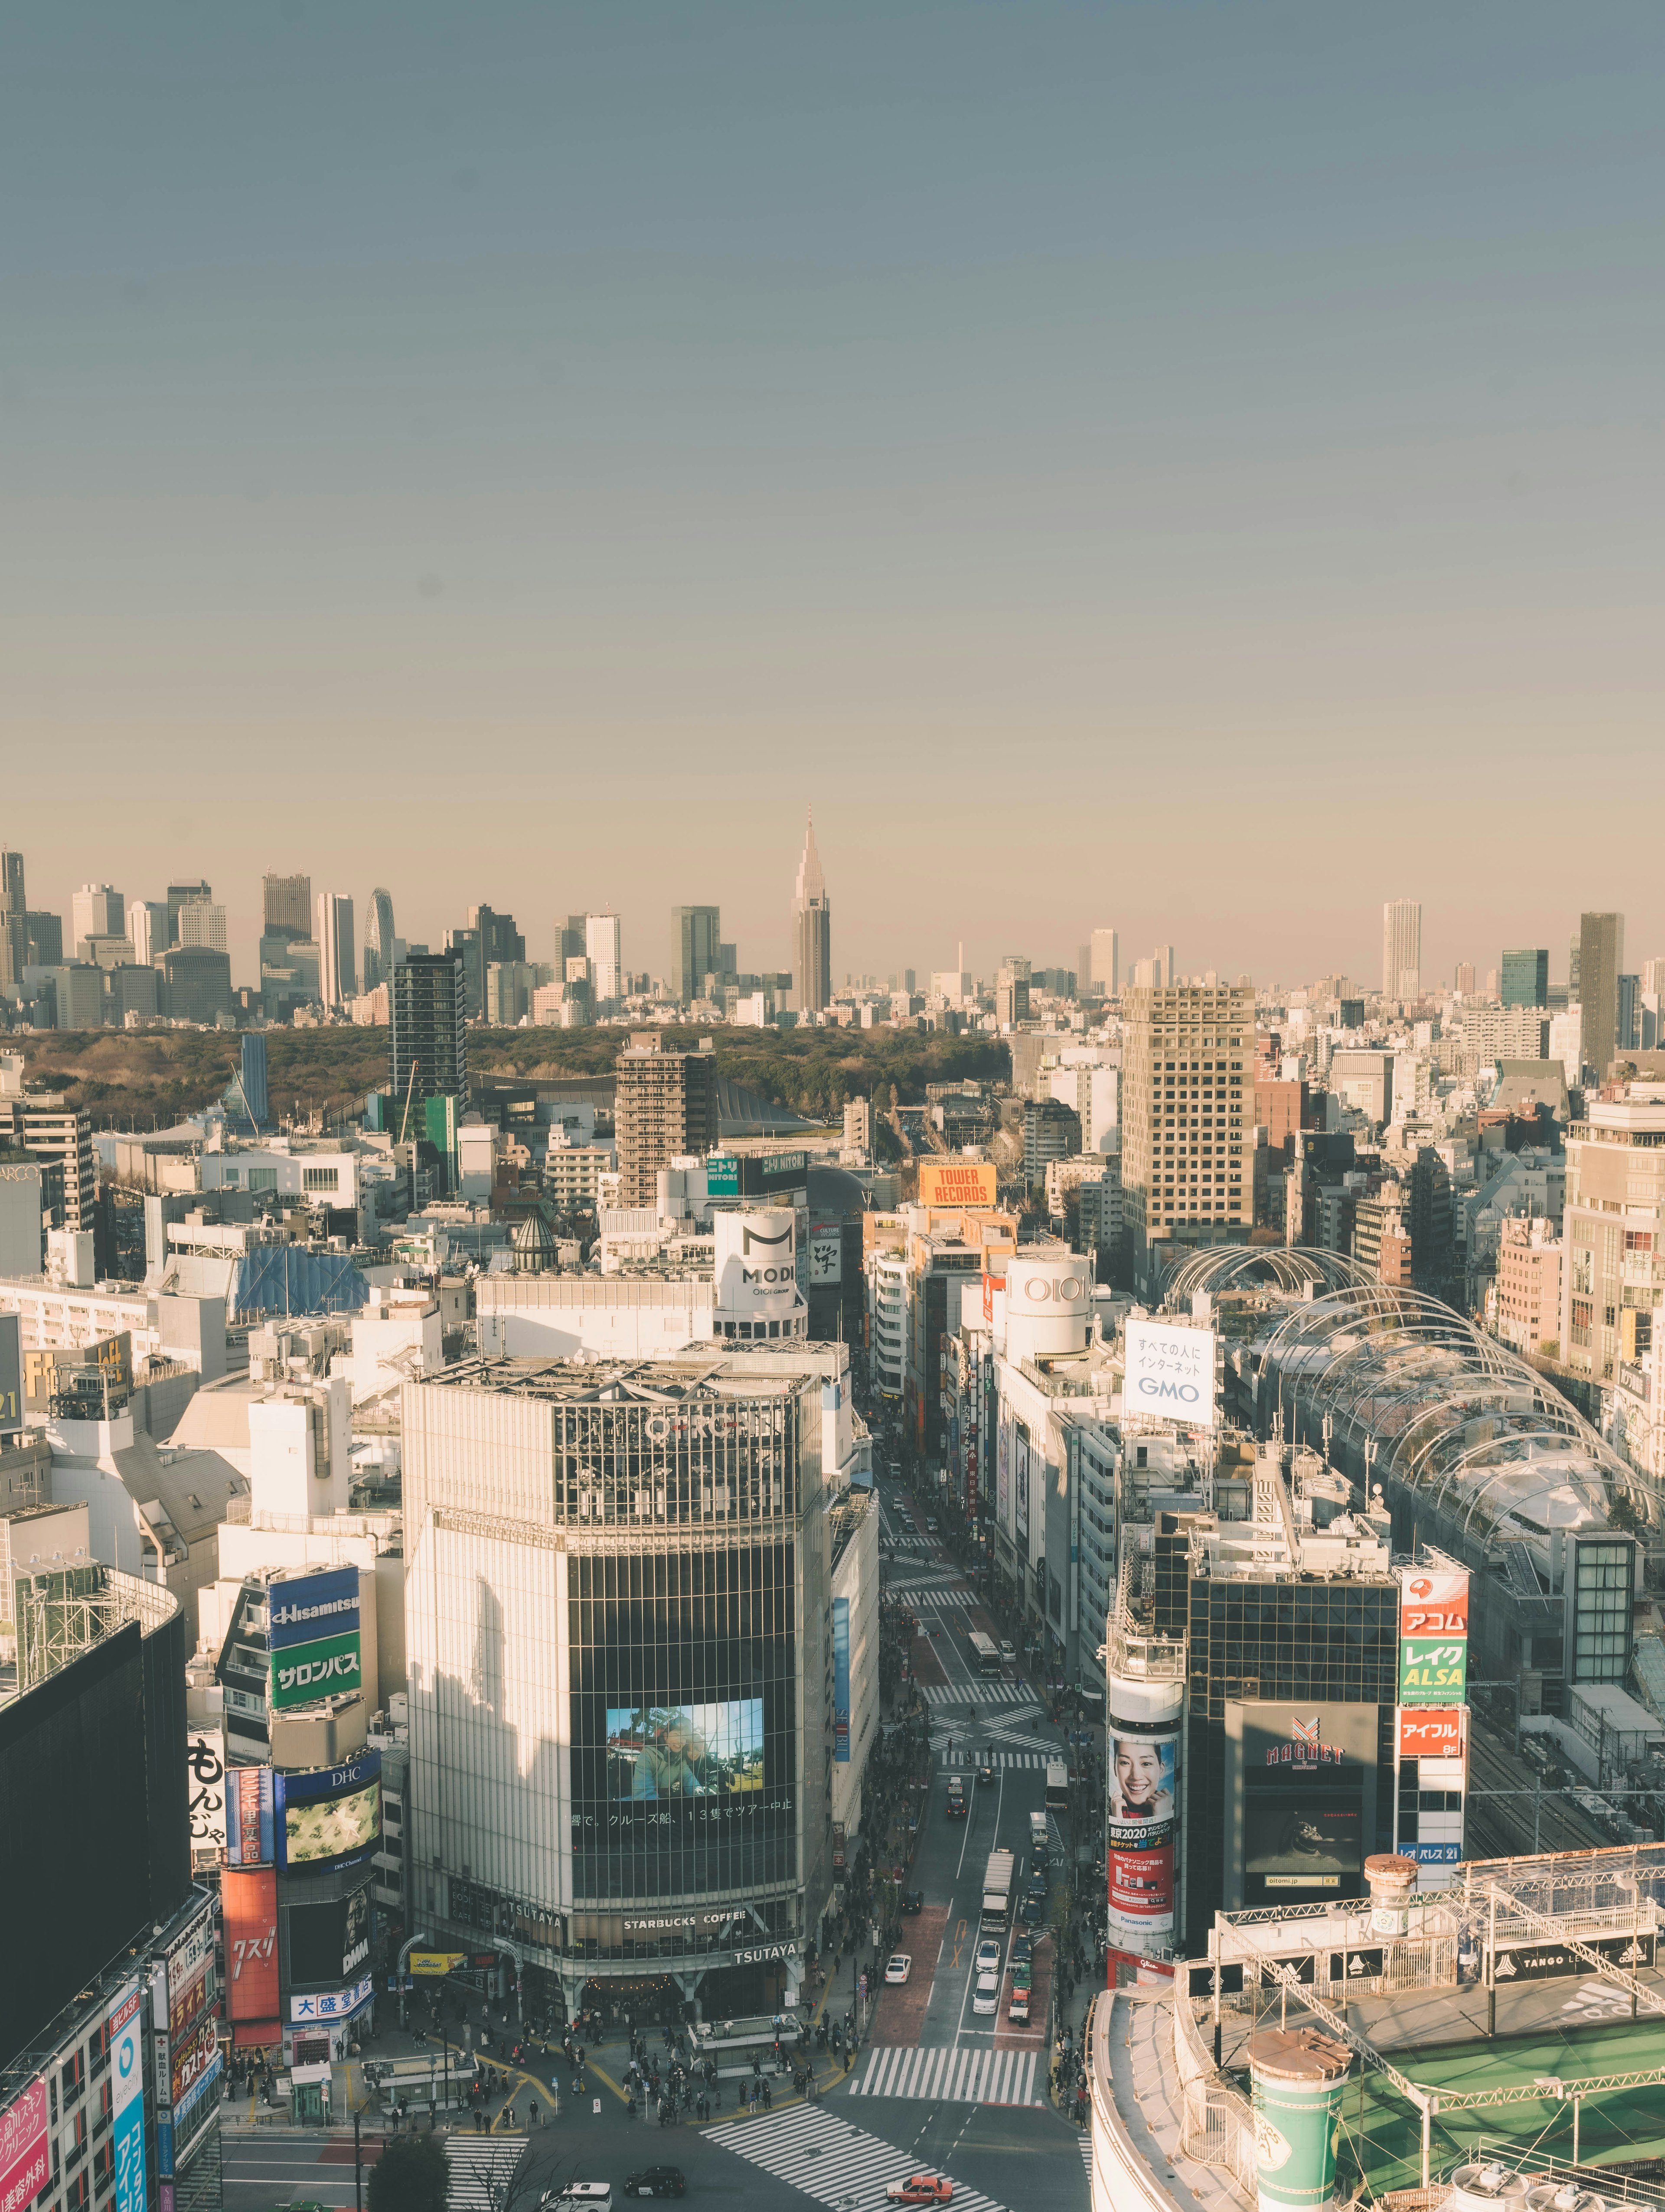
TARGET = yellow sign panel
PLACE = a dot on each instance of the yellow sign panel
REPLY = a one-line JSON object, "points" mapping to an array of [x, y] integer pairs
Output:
{"points": [[438, 1962], [957, 1182]]}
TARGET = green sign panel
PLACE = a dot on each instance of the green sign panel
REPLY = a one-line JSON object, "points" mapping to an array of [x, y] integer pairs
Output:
{"points": [[721, 1177], [301, 1673], [1433, 1670]]}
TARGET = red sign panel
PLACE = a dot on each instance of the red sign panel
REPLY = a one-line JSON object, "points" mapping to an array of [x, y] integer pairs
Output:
{"points": [[193, 2058], [1142, 1886], [25, 2159], [249, 1901], [1433, 1603], [1430, 1731]]}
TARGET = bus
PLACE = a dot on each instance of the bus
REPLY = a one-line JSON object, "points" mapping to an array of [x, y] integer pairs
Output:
{"points": [[1058, 1786], [984, 1653]]}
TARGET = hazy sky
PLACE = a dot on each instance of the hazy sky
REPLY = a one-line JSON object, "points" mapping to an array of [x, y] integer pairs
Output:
{"points": [[1194, 467]]}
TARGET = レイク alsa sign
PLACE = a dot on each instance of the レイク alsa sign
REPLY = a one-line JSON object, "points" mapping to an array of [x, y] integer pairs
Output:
{"points": [[1170, 1373]]}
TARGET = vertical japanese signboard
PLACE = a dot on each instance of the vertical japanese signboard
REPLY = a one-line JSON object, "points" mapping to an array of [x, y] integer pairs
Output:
{"points": [[841, 1680], [127, 2099], [1433, 1636]]}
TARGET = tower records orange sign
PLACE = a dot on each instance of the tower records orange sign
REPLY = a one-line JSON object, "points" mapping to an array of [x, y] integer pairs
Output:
{"points": [[957, 1182]]}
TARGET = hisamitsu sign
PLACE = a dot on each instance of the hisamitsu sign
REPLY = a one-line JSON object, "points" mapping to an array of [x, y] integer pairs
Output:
{"points": [[315, 1637]]}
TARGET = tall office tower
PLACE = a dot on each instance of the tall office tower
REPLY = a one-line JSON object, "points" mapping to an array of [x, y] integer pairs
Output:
{"points": [[65, 1133], [1524, 978], [337, 965], [1572, 973], [606, 960], [253, 1076], [1653, 977], [1162, 961], [379, 938], [288, 907], [1630, 1013], [147, 930], [1187, 1071], [42, 938], [1011, 991], [696, 951], [96, 910], [179, 894], [569, 942], [13, 921], [665, 1104], [1401, 949], [1601, 958], [1465, 978], [812, 932], [499, 939], [1106, 963], [428, 1036], [203, 923]]}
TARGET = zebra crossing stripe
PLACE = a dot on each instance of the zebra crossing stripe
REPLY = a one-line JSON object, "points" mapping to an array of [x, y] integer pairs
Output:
{"points": [[966, 2076], [481, 2172], [979, 1693], [827, 2159], [953, 1763]]}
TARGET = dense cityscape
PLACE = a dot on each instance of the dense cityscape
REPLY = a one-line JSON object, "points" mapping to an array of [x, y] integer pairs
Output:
{"points": [[652, 1544]]}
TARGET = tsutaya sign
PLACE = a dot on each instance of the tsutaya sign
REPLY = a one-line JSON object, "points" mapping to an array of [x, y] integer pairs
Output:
{"points": [[1170, 1373]]}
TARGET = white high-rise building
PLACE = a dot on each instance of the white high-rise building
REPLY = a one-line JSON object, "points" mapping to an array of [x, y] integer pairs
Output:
{"points": [[338, 966], [96, 910], [147, 925], [202, 922], [602, 948], [1401, 949]]}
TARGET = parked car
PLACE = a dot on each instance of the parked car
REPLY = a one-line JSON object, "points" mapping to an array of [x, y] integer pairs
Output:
{"points": [[899, 1968], [656, 2181], [1033, 1911], [1023, 1952]]}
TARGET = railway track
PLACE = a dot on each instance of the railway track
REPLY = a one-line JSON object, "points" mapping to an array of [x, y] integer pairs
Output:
{"points": [[1504, 1826]]}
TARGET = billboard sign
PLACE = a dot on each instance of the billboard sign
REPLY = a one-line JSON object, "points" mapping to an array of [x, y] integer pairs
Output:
{"points": [[1002, 1488], [248, 1897], [331, 1815], [722, 1175], [1140, 1828], [315, 1637], [1433, 1603], [685, 1751], [825, 1253], [192, 2056], [841, 1680], [1540, 1962], [331, 2004], [26, 2162], [1021, 1486], [957, 1182], [248, 1816], [1432, 1669], [127, 2099], [438, 1962], [206, 1785], [1431, 1732], [1170, 1373]]}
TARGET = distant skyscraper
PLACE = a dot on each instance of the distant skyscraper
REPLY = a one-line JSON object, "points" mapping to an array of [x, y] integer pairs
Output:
{"points": [[1105, 951], [1163, 960], [379, 938], [665, 1105], [1600, 960], [1465, 978], [254, 1076], [202, 922], [812, 932], [696, 950], [1524, 978], [607, 963], [569, 941], [13, 921], [1187, 1137], [338, 964], [288, 904], [1401, 949], [96, 910], [499, 939], [428, 1037], [178, 894], [147, 929], [43, 945]]}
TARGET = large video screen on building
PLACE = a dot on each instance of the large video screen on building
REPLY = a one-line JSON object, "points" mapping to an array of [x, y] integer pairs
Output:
{"points": [[330, 1816], [1303, 1843], [685, 1756], [666, 1750]]}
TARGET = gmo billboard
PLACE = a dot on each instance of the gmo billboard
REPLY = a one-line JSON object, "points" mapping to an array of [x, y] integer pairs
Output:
{"points": [[1170, 1373], [314, 1637]]}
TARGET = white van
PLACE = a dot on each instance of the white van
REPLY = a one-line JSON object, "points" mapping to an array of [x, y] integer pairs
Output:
{"points": [[578, 2197]]}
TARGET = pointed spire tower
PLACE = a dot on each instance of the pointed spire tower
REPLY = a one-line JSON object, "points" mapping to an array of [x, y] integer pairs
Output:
{"points": [[812, 938]]}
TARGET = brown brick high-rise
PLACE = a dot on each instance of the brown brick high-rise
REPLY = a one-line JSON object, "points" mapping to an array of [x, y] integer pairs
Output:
{"points": [[665, 1106]]}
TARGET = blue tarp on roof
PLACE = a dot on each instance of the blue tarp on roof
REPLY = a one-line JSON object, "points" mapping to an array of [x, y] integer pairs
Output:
{"points": [[283, 1278]]}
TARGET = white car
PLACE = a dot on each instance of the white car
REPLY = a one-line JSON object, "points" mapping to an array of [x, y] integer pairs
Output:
{"points": [[988, 1956], [987, 1995], [899, 1968], [1009, 1653]]}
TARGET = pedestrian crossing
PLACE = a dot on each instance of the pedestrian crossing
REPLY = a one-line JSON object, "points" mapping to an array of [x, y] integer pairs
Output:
{"points": [[810, 2149], [968, 1755], [979, 1693], [965, 2077], [482, 2171], [934, 1601]]}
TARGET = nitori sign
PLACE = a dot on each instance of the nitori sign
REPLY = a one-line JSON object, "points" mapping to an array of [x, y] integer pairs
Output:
{"points": [[1170, 1373]]}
